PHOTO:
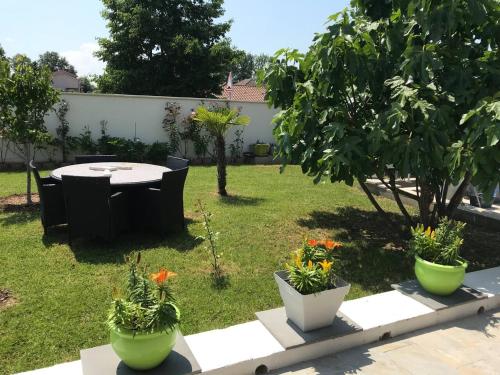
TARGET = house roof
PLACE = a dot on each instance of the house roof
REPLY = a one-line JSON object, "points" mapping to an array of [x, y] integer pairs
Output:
{"points": [[245, 90]]}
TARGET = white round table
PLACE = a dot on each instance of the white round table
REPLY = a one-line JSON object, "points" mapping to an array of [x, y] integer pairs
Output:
{"points": [[121, 173]]}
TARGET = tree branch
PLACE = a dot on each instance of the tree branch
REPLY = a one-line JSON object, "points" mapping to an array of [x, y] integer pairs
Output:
{"points": [[372, 199], [458, 196], [395, 193]]}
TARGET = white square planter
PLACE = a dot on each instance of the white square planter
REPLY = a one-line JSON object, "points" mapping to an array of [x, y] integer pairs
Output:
{"points": [[311, 311]]}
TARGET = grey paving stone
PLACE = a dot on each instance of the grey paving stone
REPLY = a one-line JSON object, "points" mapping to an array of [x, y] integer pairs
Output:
{"points": [[291, 336], [102, 360], [463, 295]]}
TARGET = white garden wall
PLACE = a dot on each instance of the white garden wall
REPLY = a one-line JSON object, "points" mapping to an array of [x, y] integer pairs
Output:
{"points": [[123, 112]]}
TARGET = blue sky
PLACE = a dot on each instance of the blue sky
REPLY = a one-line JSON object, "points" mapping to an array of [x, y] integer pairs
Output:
{"points": [[71, 27]]}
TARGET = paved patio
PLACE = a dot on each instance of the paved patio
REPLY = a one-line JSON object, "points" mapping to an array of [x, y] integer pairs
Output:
{"points": [[469, 346]]}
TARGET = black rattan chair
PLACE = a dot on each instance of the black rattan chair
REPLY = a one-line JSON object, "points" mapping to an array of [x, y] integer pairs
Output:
{"points": [[91, 209], [164, 207], [82, 159], [52, 210], [174, 163]]}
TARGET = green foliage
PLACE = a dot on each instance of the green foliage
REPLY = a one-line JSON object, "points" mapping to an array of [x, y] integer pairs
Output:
{"points": [[132, 150], [310, 270], [54, 61], [147, 306], [219, 119], [26, 97], [219, 277], [164, 48], [441, 245], [236, 147], [157, 152], [87, 84], [64, 141], [413, 84], [246, 65]]}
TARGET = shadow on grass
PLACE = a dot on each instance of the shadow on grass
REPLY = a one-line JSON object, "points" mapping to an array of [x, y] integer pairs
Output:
{"points": [[240, 200], [17, 216], [98, 251], [373, 255]]}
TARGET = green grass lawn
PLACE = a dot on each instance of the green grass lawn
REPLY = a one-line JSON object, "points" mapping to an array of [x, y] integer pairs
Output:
{"points": [[63, 293]]}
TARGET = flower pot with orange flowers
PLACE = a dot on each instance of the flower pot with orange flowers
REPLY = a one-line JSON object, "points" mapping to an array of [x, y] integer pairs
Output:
{"points": [[143, 320], [309, 288]]}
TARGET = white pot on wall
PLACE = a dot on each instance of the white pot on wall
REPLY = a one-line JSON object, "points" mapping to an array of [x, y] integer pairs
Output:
{"points": [[311, 311]]}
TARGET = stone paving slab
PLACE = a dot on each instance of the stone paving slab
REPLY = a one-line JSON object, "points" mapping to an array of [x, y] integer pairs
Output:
{"points": [[463, 295], [291, 336], [486, 281], [468, 346], [234, 345], [102, 360], [384, 308]]}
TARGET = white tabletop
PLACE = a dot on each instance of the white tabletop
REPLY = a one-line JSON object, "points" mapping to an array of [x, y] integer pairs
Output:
{"points": [[137, 173]]}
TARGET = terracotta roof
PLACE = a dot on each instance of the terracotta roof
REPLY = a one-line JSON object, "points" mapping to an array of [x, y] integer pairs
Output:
{"points": [[245, 90]]}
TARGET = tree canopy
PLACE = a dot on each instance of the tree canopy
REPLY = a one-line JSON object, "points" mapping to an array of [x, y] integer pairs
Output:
{"points": [[410, 84], [172, 47], [54, 62], [246, 65], [26, 95]]}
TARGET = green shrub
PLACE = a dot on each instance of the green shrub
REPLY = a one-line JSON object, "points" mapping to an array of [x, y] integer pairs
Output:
{"points": [[148, 305], [311, 268], [441, 245]]}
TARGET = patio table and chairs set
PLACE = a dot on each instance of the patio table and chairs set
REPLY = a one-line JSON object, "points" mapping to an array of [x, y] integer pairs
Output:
{"points": [[99, 196]]}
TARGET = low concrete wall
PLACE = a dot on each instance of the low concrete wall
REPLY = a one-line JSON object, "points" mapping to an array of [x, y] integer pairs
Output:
{"points": [[137, 115]]}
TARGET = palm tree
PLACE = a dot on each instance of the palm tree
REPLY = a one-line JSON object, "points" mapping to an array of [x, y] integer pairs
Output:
{"points": [[218, 121]]}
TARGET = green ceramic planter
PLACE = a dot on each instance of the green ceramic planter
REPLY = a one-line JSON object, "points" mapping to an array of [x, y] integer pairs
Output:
{"points": [[439, 279], [261, 149], [143, 351]]}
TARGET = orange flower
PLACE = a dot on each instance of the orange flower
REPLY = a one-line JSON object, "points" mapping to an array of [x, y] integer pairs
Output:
{"points": [[312, 242], [330, 245], [162, 276]]}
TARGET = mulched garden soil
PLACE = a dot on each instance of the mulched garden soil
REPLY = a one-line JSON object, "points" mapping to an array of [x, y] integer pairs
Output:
{"points": [[17, 203]]}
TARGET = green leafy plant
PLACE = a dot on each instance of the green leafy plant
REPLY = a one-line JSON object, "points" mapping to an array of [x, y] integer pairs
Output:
{"points": [[380, 87], [236, 148], [218, 120], [219, 277], [64, 141], [442, 245], [157, 152], [147, 305], [26, 96], [310, 270], [85, 141]]}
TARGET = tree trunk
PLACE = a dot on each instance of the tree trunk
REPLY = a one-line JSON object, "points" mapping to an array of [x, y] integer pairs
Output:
{"points": [[27, 154], [458, 196], [221, 165], [424, 203]]}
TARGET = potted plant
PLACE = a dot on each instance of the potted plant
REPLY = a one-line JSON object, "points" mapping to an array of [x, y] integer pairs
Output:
{"points": [[261, 149], [143, 321], [310, 290], [438, 266]]}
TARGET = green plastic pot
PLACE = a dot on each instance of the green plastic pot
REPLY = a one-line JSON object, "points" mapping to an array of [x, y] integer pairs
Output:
{"points": [[437, 278], [261, 149], [143, 351]]}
